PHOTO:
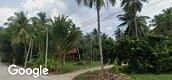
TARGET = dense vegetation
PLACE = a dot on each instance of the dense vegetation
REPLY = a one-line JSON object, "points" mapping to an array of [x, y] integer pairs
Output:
{"points": [[151, 53], [44, 41], [48, 41]]}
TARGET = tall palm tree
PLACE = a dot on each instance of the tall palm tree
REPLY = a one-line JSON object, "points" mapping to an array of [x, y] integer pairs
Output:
{"points": [[64, 35], [163, 22], [95, 46], [130, 31], [132, 7], [40, 24], [43, 21], [88, 44], [21, 33], [98, 4]]}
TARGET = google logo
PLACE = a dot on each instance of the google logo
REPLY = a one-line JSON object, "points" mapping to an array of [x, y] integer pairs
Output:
{"points": [[36, 72]]}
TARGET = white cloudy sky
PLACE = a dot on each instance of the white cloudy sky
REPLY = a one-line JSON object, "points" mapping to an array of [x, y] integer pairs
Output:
{"points": [[84, 17]]}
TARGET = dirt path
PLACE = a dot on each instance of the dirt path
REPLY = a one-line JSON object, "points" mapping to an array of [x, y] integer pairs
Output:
{"points": [[4, 75]]}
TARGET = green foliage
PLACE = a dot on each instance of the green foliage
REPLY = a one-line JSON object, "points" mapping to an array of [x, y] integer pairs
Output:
{"points": [[118, 34], [21, 24], [39, 60], [148, 54], [52, 64], [144, 55], [164, 65], [89, 47], [141, 30], [5, 48], [132, 6], [95, 3], [73, 66], [152, 77], [108, 45], [64, 36], [115, 69], [98, 4], [163, 23]]}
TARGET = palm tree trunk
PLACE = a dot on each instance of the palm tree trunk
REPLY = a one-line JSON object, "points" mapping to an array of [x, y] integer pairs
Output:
{"points": [[31, 51], [60, 56], [79, 56], [136, 27], [64, 59], [39, 47], [83, 56], [14, 55], [91, 54], [46, 49], [99, 33], [27, 54], [25, 50]]}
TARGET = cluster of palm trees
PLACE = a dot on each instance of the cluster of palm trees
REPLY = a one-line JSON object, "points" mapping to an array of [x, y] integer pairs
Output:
{"points": [[60, 34], [98, 4], [135, 23], [163, 22], [42, 34]]}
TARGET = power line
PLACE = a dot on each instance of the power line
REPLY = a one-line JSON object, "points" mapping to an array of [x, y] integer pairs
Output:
{"points": [[102, 16], [111, 13], [147, 11], [105, 18]]}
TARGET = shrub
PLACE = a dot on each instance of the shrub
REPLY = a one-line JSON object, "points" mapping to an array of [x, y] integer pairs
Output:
{"points": [[52, 64], [147, 55], [36, 62], [40, 60], [164, 65], [80, 63]]}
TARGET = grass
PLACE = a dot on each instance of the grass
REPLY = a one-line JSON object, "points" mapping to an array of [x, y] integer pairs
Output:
{"points": [[153, 77], [73, 66], [90, 75]]}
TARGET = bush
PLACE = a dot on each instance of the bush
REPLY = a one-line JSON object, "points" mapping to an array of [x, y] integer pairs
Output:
{"points": [[164, 65], [52, 64], [115, 69], [148, 55], [80, 63], [40, 60], [36, 62]]}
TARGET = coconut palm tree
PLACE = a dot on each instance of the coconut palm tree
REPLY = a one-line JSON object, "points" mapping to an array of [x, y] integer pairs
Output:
{"points": [[21, 33], [43, 21], [163, 22], [130, 31], [40, 25], [95, 45], [98, 4], [131, 8], [64, 35]]}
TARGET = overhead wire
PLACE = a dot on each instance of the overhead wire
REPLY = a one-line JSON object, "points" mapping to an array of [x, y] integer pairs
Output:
{"points": [[93, 20], [112, 16]]}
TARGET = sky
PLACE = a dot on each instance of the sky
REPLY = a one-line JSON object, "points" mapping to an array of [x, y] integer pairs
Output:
{"points": [[82, 16]]}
